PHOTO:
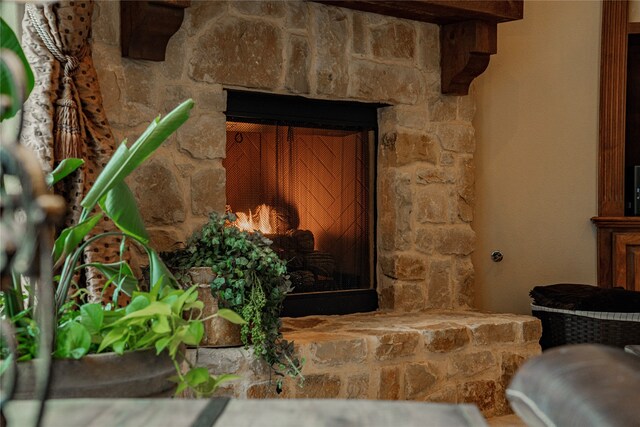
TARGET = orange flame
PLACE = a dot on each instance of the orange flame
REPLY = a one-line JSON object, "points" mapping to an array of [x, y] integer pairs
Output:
{"points": [[258, 221]]}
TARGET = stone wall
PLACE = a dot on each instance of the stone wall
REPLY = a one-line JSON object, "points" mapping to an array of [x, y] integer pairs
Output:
{"points": [[426, 141]]}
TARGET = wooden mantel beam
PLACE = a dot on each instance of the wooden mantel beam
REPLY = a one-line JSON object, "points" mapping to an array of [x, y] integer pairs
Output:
{"points": [[468, 31]]}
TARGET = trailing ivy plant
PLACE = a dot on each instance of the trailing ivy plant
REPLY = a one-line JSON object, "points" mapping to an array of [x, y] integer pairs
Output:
{"points": [[250, 279]]}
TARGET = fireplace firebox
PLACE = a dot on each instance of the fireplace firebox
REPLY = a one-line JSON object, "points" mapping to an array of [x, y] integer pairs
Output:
{"points": [[302, 172]]}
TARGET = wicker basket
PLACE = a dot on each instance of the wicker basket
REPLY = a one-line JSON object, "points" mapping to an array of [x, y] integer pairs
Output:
{"points": [[560, 327]]}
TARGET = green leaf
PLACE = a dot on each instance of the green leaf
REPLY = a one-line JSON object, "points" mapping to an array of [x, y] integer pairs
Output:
{"points": [[154, 309], [120, 205], [159, 274], [196, 376], [8, 86], [194, 333], [71, 237], [161, 344], [72, 341], [125, 160], [231, 316], [161, 326], [64, 169], [92, 317], [138, 302], [113, 336], [120, 273]]}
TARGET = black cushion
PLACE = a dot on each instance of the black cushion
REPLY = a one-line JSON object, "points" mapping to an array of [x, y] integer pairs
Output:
{"points": [[569, 296]]}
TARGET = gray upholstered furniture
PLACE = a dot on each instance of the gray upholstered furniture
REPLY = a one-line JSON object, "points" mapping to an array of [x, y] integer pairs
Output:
{"points": [[578, 385]]}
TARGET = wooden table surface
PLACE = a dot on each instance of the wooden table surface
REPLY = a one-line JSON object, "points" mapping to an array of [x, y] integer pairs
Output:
{"points": [[243, 413]]}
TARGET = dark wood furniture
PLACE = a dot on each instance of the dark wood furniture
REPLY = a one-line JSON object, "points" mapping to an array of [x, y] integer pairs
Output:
{"points": [[618, 231]]}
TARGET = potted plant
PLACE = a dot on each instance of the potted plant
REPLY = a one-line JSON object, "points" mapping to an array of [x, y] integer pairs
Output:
{"points": [[249, 278], [152, 324]]}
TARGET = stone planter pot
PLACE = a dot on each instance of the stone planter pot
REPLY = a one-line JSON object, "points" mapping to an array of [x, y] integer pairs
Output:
{"points": [[218, 332], [134, 374]]}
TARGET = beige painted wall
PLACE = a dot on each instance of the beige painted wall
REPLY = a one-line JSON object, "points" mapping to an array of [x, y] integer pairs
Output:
{"points": [[537, 134]]}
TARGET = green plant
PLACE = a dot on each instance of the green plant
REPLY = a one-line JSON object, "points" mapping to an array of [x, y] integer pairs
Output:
{"points": [[250, 279], [164, 318]]}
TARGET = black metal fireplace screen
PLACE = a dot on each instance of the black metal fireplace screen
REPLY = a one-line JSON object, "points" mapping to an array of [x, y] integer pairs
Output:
{"points": [[302, 172]]}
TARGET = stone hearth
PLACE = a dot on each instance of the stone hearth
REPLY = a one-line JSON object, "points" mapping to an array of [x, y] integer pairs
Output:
{"points": [[435, 356]]}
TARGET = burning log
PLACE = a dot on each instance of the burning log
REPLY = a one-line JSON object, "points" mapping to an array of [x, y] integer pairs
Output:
{"points": [[304, 240], [320, 263]]}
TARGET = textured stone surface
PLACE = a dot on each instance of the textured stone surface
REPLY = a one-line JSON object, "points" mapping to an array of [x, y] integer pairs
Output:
{"points": [[385, 82], [331, 63], [158, 192], [202, 12], [414, 147], [531, 330], [297, 79], [206, 187], [419, 379], [434, 204], [239, 52], [389, 384], [275, 9], [481, 393], [319, 386], [404, 267], [438, 285], [394, 40], [395, 200], [396, 345], [204, 137], [486, 333], [445, 338], [338, 352], [358, 386]]}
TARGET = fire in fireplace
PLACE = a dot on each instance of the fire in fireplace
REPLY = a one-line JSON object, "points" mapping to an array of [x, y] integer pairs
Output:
{"points": [[302, 172]]}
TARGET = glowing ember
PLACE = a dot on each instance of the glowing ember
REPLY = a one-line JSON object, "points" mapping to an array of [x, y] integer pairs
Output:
{"points": [[258, 221]]}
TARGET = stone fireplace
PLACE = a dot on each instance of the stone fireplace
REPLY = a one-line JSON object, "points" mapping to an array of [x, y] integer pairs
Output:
{"points": [[425, 344]]}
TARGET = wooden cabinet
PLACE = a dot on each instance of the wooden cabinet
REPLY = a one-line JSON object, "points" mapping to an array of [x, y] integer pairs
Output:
{"points": [[619, 150]]}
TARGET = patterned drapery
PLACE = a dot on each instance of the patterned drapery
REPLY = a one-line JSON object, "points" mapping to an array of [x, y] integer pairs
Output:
{"points": [[64, 115]]}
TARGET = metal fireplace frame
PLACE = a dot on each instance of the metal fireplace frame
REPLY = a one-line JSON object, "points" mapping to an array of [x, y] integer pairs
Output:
{"points": [[264, 108]]}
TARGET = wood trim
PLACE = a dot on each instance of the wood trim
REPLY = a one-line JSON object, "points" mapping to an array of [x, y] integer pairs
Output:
{"points": [[147, 26], [465, 49], [617, 222], [613, 84], [439, 11], [625, 246], [634, 28]]}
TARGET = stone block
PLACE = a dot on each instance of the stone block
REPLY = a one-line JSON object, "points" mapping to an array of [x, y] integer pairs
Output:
{"points": [[360, 34], [394, 198], [139, 82], [429, 47], [434, 204], [260, 8], [490, 333], [159, 195], [207, 191], [419, 380], [297, 15], [358, 386], [165, 239], [239, 52], [200, 14], [466, 182], [480, 393], [443, 338], [531, 330], [456, 240], [204, 137], [435, 175], [395, 40], [335, 353], [394, 345], [414, 147], [297, 77], [319, 386], [403, 266], [467, 106], [464, 283], [223, 360], [470, 364], [389, 383], [176, 56], [457, 137], [439, 286], [385, 82], [105, 18], [443, 108], [332, 72], [408, 296], [267, 390]]}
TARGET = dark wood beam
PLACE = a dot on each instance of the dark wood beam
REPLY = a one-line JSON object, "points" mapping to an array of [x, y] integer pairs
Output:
{"points": [[439, 11], [147, 26]]}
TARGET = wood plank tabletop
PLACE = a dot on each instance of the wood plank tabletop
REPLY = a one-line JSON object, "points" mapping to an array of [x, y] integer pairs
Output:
{"points": [[243, 413]]}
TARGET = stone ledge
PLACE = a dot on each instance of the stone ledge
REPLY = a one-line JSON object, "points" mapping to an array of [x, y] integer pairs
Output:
{"points": [[437, 356]]}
